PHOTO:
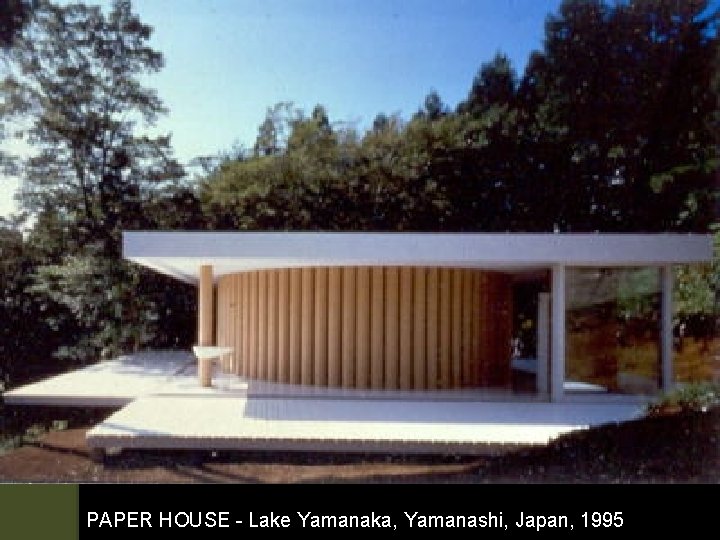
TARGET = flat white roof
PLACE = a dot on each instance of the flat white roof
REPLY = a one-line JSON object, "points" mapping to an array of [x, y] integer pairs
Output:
{"points": [[181, 253]]}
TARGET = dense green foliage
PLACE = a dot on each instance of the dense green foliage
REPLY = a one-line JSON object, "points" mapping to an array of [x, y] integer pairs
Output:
{"points": [[612, 127], [14, 15], [696, 397], [73, 87], [27, 336]]}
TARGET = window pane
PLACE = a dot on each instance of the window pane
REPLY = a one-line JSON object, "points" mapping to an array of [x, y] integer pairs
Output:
{"points": [[696, 342], [613, 337]]}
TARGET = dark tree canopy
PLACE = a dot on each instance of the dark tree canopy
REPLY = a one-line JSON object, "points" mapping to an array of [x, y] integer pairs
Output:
{"points": [[494, 85], [612, 127], [433, 108], [14, 15], [73, 84], [626, 91]]}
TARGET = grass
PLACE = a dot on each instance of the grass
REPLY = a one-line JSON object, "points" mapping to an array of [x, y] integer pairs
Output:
{"points": [[693, 397]]}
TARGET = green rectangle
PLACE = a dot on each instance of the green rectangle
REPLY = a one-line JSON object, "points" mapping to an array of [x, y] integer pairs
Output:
{"points": [[39, 511]]}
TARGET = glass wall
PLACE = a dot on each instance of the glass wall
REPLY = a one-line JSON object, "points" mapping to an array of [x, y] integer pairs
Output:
{"points": [[613, 330], [696, 341]]}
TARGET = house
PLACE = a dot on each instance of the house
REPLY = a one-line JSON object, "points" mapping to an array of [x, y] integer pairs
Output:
{"points": [[560, 316]]}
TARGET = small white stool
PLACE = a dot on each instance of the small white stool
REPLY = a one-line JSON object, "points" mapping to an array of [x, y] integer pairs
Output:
{"points": [[205, 355]]}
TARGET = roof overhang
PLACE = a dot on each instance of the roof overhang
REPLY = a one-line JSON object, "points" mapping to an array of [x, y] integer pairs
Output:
{"points": [[181, 253]]}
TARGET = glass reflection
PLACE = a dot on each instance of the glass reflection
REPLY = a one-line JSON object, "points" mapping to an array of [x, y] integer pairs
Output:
{"points": [[613, 330]]}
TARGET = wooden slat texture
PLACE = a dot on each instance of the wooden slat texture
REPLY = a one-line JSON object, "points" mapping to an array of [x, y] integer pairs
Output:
{"points": [[252, 336], [489, 316], [431, 341], [233, 324], [295, 325], [224, 329], [225, 326], [406, 327], [456, 329], [419, 329], [272, 325], [245, 323], [334, 326], [478, 303], [306, 327], [221, 315], [468, 330], [320, 348], [495, 328], [348, 327], [445, 313], [488, 322], [362, 328], [377, 322], [368, 327], [392, 302], [262, 370], [205, 306], [239, 338], [284, 325]]}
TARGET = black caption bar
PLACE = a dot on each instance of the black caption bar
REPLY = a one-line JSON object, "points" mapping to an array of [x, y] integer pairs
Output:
{"points": [[224, 511]]}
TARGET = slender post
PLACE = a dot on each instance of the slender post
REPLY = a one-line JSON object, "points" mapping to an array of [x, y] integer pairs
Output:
{"points": [[205, 306], [666, 328], [557, 345], [205, 321], [543, 345]]}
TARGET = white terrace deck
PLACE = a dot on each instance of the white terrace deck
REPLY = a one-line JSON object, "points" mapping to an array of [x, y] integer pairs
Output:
{"points": [[342, 424], [108, 384], [165, 408]]}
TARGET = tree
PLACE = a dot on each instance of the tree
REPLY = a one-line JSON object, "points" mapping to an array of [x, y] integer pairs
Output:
{"points": [[274, 131], [14, 15], [27, 318], [471, 168], [622, 103], [697, 287], [433, 107], [74, 84], [612, 127], [380, 123], [284, 184], [494, 85]]}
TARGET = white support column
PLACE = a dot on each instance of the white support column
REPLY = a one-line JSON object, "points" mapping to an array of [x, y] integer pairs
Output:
{"points": [[557, 342], [666, 328], [205, 306], [205, 322], [543, 344]]}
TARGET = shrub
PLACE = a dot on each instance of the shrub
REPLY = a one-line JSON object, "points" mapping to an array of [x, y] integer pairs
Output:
{"points": [[696, 397]]}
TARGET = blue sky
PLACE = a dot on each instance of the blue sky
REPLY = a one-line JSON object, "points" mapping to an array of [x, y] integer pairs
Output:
{"points": [[227, 61]]}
